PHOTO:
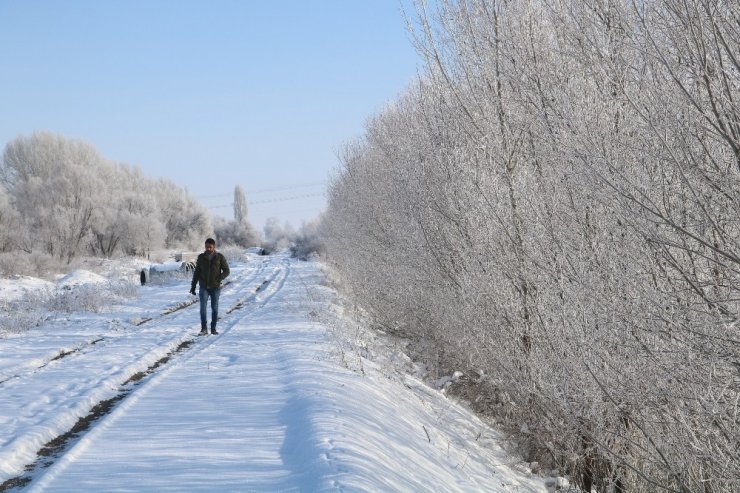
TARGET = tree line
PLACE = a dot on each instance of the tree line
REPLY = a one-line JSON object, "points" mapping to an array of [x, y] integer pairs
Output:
{"points": [[552, 206], [60, 200]]}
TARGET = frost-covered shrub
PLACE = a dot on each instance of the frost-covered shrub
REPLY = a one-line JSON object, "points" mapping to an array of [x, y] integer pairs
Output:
{"points": [[278, 237], [232, 253], [19, 316], [90, 297], [82, 298], [35, 264], [302, 244], [235, 233], [308, 243], [124, 289]]}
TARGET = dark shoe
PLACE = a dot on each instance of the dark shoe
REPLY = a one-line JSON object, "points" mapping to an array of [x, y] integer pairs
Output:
{"points": [[213, 332], [203, 332]]}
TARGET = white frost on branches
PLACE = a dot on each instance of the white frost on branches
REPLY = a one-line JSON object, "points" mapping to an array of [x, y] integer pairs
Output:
{"points": [[555, 202], [60, 200]]}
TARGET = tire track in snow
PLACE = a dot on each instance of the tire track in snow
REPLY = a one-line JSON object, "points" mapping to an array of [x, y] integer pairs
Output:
{"points": [[186, 348], [23, 370], [260, 296], [81, 400], [20, 370], [271, 363]]}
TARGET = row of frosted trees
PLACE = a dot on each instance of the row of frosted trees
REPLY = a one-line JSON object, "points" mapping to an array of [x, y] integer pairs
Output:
{"points": [[554, 206], [60, 199]]}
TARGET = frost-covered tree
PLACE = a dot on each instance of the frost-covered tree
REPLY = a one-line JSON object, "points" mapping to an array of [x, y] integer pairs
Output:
{"points": [[129, 220], [278, 236], [53, 181], [63, 200], [235, 233], [308, 240], [186, 221], [8, 223], [552, 206], [240, 205]]}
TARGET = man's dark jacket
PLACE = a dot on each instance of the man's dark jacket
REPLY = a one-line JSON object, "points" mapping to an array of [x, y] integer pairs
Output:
{"points": [[210, 273]]}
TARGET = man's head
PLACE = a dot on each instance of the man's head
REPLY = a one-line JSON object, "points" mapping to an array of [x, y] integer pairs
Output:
{"points": [[210, 245]]}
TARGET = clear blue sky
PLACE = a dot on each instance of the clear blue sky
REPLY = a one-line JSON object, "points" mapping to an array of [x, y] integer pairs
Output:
{"points": [[209, 94]]}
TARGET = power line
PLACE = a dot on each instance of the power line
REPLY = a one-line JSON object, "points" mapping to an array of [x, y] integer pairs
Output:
{"points": [[295, 187], [264, 190], [283, 199], [201, 197], [268, 201]]}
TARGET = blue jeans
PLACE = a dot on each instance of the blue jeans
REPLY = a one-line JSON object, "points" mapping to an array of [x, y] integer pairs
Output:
{"points": [[203, 294]]}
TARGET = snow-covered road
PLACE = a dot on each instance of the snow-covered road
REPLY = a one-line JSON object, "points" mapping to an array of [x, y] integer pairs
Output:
{"points": [[267, 405]]}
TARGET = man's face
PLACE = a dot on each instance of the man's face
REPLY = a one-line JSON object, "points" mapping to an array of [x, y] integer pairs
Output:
{"points": [[210, 248]]}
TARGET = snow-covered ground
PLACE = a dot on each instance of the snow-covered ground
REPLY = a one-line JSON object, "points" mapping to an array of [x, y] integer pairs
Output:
{"points": [[17, 287], [281, 400]]}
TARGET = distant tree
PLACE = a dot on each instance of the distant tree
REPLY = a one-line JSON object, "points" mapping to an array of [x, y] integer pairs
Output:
{"points": [[186, 221], [277, 236], [55, 183], [234, 233], [8, 222], [240, 205], [59, 199], [308, 240], [129, 220]]}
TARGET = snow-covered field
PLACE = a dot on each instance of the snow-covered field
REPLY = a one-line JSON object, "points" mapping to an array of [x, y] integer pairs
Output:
{"points": [[284, 399]]}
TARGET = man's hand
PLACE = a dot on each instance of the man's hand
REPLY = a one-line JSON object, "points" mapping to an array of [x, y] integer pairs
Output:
{"points": [[192, 290]]}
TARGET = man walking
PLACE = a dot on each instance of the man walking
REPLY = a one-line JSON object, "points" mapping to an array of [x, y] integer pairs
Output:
{"points": [[210, 269]]}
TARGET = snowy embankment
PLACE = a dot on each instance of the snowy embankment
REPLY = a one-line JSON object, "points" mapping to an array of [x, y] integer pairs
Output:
{"points": [[275, 402]]}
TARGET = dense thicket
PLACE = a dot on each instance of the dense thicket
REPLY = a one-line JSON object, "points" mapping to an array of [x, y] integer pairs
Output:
{"points": [[554, 205], [59, 199]]}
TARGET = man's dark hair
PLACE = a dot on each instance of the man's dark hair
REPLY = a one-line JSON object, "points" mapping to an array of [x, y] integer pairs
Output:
{"points": [[211, 241]]}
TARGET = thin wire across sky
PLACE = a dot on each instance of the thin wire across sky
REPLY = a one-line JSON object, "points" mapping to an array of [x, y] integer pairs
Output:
{"points": [[267, 202], [250, 193]]}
